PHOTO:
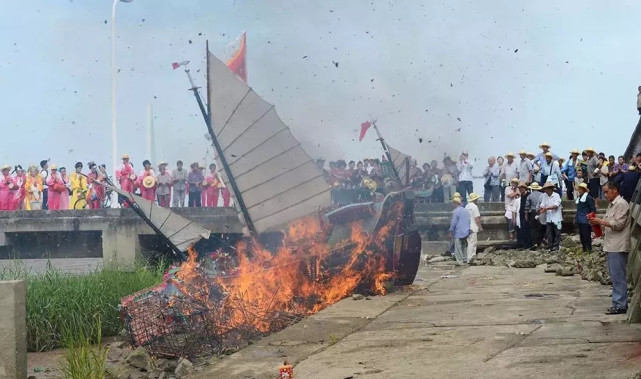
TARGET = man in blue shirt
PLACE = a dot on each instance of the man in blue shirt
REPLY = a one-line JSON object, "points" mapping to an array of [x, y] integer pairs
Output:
{"points": [[569, 173], [540, 158], [460, 230]]}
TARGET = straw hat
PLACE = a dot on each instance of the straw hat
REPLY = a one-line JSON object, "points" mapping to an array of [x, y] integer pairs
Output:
{"points": [[530, 155], [456, 194], [522, 152], [125, 156], [474, 196], [514, 180], [456, 200], [54, 166], [584, 186], [535, 187], [6, 167], [575, 151], [545, 144], [510, 155], [590, 149], [148, 181], [631, 168], [163, 163], [548, 154], [522, 185], [548, 185]]}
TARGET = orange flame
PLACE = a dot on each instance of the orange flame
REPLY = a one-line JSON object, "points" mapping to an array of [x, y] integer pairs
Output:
{"points": [[304, 276]]}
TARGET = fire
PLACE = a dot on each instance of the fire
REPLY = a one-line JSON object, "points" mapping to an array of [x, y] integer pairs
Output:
{"points": [[304, 276]]}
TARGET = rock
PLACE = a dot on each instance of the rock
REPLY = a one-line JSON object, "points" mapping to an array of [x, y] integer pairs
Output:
{"points": [[115, 354], [140, 359], [524, 263], [357, 296], [552, 268], [170, 366], [597, 242], [184, 367], [565, 271], [489, 250], [116, 371], [437, 259]]}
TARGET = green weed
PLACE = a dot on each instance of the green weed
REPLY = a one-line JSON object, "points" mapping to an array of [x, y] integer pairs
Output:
{"points": [[54, 298]]}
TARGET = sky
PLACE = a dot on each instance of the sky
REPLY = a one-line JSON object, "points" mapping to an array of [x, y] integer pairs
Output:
{"points": [[438, 76]]}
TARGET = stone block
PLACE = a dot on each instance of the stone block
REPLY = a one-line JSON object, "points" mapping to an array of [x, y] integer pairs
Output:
{"points": [[13, 330]]}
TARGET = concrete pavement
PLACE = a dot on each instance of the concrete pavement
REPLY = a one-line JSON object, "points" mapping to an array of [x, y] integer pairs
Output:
{"points": [[473, 322]]}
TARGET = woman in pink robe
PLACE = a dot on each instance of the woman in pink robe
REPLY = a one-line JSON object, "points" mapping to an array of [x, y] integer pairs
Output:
{"points": [[126, 175], [56, 187], [147, 193], [63, 203], [210, 187], [18, 199], [7, 189]]}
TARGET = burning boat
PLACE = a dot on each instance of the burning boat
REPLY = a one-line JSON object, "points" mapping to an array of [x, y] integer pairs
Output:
{"points": [[299, 256]]}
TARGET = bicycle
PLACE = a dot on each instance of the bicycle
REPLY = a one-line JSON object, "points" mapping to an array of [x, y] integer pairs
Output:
{"points": [[81, 202]]}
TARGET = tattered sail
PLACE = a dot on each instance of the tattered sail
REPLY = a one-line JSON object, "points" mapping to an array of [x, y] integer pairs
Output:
{"points": [[183, 233], [276, 179], [401, 164]]}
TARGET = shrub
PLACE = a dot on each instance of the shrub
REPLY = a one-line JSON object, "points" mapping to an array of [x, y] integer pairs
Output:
{"points": [[55, 297]]}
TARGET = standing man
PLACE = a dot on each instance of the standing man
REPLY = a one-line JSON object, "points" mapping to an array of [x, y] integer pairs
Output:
{"points": [[465, 166], [551, 207], [195, 181], [163, 189], [459, 230], [492, 183], [179, 180], [44, 173], [511, 168], [569, 173], [475, 225], [545, 147], [537, 222], [525, 168], [584, 206], [523, 234], [593, 173], [616, 244]]}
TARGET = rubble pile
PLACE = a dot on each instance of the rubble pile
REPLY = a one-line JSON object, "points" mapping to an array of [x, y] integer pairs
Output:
{"points": [[567, 261]]}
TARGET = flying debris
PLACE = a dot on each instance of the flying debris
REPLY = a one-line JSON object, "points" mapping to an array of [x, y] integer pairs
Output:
{"points": [[335, 63]]}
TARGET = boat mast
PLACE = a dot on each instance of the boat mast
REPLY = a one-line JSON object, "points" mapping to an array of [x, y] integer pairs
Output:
{"points": [[387, 153], [223, 160]]}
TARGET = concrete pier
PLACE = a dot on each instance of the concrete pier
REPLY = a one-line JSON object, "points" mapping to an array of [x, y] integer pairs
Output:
{"points": [[13, 330]]}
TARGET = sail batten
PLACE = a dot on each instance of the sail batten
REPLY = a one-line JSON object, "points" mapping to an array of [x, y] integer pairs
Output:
{"points": [[181, 232], [400, 162], [275, 178]]}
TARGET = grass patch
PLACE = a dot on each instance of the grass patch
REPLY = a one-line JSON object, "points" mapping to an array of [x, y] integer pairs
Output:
{"points": [[85, 357], [55, 298]]}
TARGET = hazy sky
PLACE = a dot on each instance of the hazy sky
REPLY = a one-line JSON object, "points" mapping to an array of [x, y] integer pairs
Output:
{"points": [[515, 73]]}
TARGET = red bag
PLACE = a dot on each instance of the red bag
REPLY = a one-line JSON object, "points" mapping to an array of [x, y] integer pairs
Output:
{"points": [[598, 232]]}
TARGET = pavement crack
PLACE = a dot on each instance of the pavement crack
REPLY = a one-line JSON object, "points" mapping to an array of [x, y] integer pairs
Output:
{"points": [[514, 343]]}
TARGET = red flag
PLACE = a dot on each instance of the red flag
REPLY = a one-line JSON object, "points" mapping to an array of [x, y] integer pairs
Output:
{"points": [[364, 127], [237, 61], [175, 65]]}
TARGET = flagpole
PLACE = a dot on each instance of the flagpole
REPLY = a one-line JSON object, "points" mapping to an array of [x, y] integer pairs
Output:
{"points": [[387, 153]]}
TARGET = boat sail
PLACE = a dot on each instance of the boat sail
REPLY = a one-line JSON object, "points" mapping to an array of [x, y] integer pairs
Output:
{"points": [[275, 180], [401, 164], [181, 232]]}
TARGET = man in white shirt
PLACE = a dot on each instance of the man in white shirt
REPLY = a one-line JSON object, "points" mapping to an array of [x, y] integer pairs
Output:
{"points": [[465, 166], [525, 168], [551, 207], [475, 225], [511, 168]]}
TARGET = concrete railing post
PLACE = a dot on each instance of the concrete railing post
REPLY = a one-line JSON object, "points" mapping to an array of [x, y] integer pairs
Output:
{"points": [[13, 330]]}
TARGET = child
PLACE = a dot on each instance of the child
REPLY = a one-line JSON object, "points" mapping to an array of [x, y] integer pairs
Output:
{"points": [[578, 180]]}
